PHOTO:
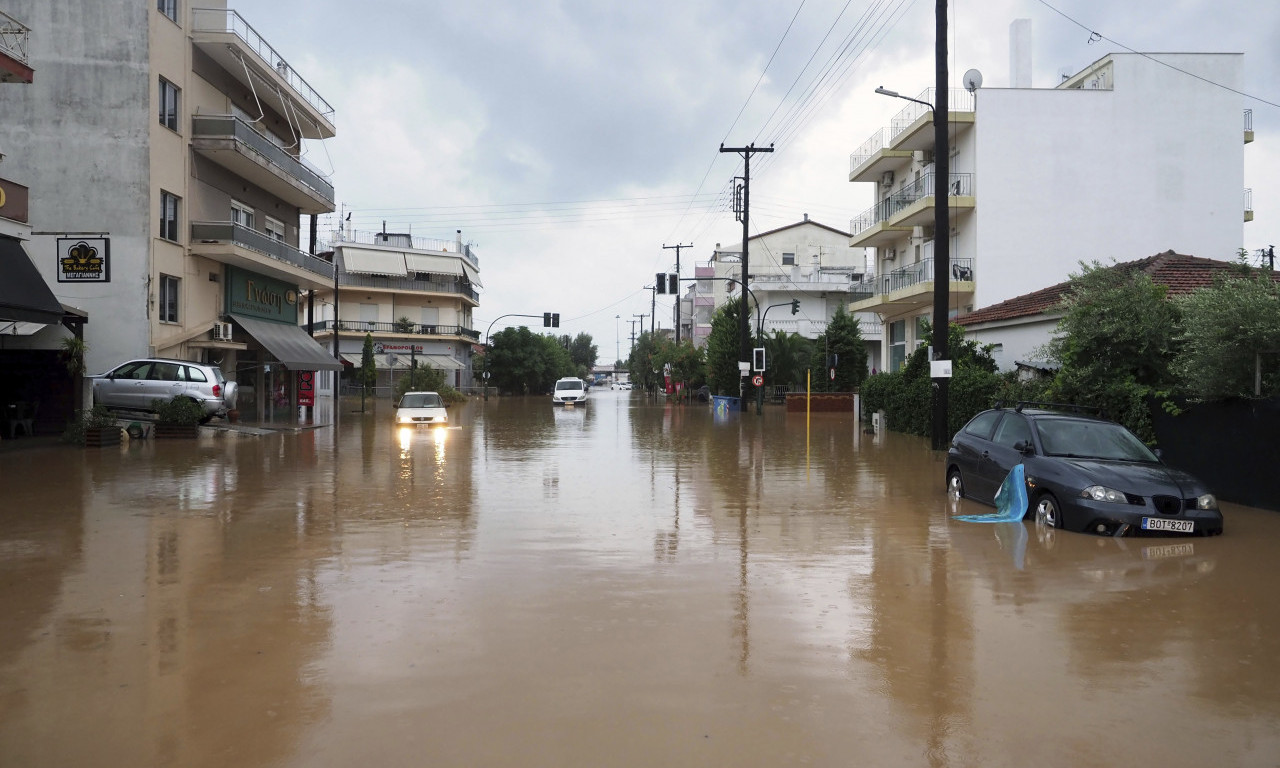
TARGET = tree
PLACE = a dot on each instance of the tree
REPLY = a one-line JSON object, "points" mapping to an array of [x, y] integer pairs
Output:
{"points": [[1224, 328], [523, 362], [583, 354], [423, 378], [844, 338], [367, 376], [787, 355], [723, 350]]}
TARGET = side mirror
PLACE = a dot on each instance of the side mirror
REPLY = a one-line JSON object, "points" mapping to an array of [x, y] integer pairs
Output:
{"points": [[1025, 448], [1160, 454]]}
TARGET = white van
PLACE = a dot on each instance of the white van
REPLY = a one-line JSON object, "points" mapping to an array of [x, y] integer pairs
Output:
{"points": [[569, 391]]}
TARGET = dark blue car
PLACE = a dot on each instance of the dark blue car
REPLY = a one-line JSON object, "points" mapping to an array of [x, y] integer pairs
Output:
{"points": [[1082, 474]]}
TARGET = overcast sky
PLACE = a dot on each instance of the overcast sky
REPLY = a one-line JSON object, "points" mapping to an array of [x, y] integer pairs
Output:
{"points": [[571, 140]]}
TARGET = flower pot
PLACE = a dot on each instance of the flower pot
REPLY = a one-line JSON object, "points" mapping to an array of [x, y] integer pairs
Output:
{"points": [[176, 431], [233, 416], [97, 437]]}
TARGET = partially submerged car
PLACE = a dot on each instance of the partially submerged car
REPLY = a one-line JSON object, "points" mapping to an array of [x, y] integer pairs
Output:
{"points": [[1083, 473], [569, 391], [135, 385], [421, 409]]}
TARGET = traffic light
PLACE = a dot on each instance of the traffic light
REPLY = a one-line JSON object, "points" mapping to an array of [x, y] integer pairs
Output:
{"points": [[555, 319], [673, 285], [661, 282], [546, 319], [795, 306], [757, 359]]}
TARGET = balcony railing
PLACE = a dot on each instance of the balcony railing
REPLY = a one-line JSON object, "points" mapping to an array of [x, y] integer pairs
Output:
{"points": [[229, 21], [912, 274], [415, 329], [1248, 204], [415, 242], [350, 279], [878, 141], [244, 237], [960, 184], [958, 100], [231, 127], [14, 37]]}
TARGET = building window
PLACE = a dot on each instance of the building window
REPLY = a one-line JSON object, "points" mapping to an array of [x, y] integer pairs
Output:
{"points": [[275, 229], [897, 344], [788, 259], [169, 205], [241, 214], [169, 299], [169, 8], [168, 104]]}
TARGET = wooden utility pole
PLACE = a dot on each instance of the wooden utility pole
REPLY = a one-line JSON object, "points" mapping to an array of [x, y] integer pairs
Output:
{"points": [[744, 327]]}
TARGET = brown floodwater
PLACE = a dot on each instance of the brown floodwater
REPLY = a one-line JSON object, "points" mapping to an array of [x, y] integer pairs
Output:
{"points": [[627, 584]]}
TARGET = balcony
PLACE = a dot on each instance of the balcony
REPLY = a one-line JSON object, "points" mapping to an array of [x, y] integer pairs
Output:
{"points": [[911, 206], [235, 145], [229, 40], [362, 327], [1248, 205], [910, 288], [241, 246], [820, 281], [14, 51], [874, 158], [1248, 126], [401, 284], [414, 242], [912, 128]]}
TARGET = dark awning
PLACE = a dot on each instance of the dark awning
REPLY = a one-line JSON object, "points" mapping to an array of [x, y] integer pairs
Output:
{"points": [[290, 344], [24, 295]]}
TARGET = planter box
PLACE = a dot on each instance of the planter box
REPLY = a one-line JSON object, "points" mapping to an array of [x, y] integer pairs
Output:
{"points": [[175, 431], [101, 436]]}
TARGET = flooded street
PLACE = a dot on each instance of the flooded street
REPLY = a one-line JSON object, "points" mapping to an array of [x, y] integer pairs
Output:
{"points": [[625, 584]]}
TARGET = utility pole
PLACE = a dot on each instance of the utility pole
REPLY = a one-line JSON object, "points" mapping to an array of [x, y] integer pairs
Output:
{"points": [[677, 248], [941, 228], [744, 326], [653, 306]]}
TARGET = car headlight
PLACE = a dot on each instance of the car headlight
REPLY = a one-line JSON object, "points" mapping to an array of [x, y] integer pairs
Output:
{"points": [[1102, 493], [1207, 501]]}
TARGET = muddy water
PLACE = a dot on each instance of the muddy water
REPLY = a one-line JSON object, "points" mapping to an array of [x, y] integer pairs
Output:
{"points": [[628, 584]]}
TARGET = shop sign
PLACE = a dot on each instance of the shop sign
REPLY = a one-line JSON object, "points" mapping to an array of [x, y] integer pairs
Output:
{"points": [[379, 347], [306, 388], [84, 259], [255, 295]]}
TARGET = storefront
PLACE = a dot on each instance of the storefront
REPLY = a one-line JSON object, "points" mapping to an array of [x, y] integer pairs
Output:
{"points": [[275, 375]]}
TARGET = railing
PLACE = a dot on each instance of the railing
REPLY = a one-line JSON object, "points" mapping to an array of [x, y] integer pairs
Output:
{"points": [[238, 234], [1248, 120], [346, 279], [958, 100], [416, 243], [225, 20], [1248, 203], [14, 36], [838, 280], [416, 329], [878, 141], [912, 274], [229, 126], [959, 184]]}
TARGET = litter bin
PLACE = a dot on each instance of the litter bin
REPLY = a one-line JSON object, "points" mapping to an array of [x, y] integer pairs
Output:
{"points": [[722, 406]]}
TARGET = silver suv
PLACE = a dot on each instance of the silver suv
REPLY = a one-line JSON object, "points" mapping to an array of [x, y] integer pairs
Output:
{"points": [[133, 385]]}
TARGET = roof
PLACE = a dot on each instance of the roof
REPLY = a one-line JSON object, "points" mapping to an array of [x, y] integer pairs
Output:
{"points": [[1180, 273]]}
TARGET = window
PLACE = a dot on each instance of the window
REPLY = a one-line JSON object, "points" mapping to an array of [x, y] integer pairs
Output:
{"points": [[275, 229], [1012, 430], [431, 316], [169, 299], [168, 104], [169, 204], [169, 8], [241, 214], [788, 259], [897, 344], [982, 424], [369, 316]]}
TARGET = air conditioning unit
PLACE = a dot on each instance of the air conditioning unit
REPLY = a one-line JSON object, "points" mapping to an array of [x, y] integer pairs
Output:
{"points": [[222, 331], [890, 254], [886, 179]]}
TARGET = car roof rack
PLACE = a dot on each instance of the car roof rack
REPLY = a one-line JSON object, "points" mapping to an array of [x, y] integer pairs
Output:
{"points": [[1067, 407]]}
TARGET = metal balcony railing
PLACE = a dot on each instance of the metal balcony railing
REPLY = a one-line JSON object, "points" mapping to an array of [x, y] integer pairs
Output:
{"points": [[14, 38], [231, 127], [1248, 120], [416, 329], [244, 237], [878, 141], [912, 274], [349, 279], [415, 242], [958, 100], [959, 184], [229, 21]]}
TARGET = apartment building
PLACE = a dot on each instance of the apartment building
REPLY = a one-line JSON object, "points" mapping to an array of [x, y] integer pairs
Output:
{"points": [[807, 262], [1136, 153], [164, 146], [413, 295]]}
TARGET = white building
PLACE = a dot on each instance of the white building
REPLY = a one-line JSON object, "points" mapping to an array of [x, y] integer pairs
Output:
{"points": [[807, 262], [163, 146], [1136, 153]]}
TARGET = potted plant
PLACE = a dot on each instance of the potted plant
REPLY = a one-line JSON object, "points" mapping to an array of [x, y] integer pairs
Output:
{"points": [[94, 428], [176, 418], [404, 325]]}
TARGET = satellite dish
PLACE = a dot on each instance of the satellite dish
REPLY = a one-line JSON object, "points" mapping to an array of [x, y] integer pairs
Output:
{"points": [[972, 80]]}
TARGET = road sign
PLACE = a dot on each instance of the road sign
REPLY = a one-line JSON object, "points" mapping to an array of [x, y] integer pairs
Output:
{"points": [[833, 374], [757, 380]]}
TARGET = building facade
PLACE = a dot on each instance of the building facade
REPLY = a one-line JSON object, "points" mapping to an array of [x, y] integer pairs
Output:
{"points": [[163, 145], [413, 295], [1133, 154]]}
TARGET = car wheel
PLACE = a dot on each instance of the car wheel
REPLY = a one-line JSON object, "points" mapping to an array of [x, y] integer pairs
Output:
{"points": [[955, 485], [1048, 513]]}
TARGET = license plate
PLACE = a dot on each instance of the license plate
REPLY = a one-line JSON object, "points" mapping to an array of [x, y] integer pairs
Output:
{"points": [[1160, 524], [1168, 550]]}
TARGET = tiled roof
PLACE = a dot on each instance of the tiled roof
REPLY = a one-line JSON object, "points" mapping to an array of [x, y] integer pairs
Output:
{"points": [[1182, 274]]}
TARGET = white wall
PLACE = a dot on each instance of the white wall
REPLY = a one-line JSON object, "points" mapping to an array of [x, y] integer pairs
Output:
{"points": [[1018, 342]]}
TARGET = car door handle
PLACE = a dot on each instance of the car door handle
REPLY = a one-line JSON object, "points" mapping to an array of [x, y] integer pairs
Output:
{"points": [[986, 454]]}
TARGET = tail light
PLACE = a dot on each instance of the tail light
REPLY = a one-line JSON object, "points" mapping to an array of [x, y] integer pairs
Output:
{"points": [[217, 390]]}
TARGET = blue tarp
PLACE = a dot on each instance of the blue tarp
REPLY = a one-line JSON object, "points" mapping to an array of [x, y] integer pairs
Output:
{"points": [[1011, 501]]}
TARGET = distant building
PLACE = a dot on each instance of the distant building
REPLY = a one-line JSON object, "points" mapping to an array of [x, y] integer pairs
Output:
{"points": [[1136, 153]]}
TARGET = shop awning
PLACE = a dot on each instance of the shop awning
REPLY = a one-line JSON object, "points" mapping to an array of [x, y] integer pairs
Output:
{"points": [[370, 262], [473, 274], [24, 295], [436, 265], [290, 345]]}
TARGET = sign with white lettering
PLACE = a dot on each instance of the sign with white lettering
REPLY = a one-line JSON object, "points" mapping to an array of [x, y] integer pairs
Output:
{"points": [[84, 259]]}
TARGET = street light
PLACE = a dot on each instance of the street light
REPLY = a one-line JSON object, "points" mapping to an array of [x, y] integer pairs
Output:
{"points": [[886, 92]]}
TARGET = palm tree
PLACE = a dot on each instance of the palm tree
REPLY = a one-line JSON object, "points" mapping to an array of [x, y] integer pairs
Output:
{"points": [[787, 354]]}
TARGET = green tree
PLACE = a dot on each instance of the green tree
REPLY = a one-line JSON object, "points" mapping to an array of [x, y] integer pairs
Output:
{"points": [[583, 354], [367, 375], [523, 362], [723, 349], [787, 357], [1224, 328], [844, 338]]}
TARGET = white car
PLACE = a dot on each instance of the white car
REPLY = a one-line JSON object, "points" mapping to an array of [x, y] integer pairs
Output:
{"points": [[421, 408], [569, 391]]}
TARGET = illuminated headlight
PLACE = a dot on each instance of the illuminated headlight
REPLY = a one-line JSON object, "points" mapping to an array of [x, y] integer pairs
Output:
{"points": [[1102, 493], [1207, 501]]}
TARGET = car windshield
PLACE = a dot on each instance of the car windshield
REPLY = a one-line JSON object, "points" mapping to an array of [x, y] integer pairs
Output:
{"points": [[1091, 440], [421, 400], [568, 385]]}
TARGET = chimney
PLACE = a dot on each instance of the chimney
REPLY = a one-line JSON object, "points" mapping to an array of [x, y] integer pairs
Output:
{"points": [[459, 241], [1020, 53], [806, 217]]}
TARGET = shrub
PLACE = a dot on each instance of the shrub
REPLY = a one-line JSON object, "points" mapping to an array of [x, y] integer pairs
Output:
{"points": [[424, 378], [97, 417], [179, 410]]}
